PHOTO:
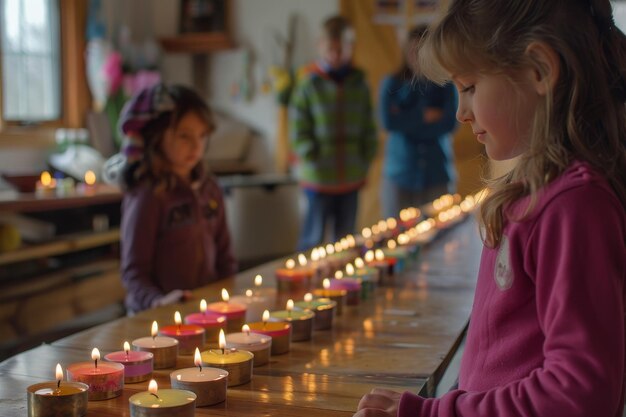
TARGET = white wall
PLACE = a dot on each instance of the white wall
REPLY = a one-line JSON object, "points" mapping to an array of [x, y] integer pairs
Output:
{"points": [[254, 25]]}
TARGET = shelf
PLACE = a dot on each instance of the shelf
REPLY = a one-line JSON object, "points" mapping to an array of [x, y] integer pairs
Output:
{"points": [[197, 42], [61, 245], [29, 202]]}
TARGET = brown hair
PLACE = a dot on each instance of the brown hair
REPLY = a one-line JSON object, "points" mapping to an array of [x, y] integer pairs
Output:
{"points": [[154, 167], [335, 27], [582, 118]]}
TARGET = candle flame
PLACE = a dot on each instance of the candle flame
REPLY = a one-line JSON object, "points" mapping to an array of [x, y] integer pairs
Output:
{"points": [[322, 252], [380, 255], [391, 223], [326, 283], [344, 243], [382, 225], [95, 354], [266, 316], [222, 339], [351, 241], [369, 256], [289, 306], [245, 329], [59, 373], [308, 297], [155, 329], [46, 178], [126, 347], [391, 244], [315, 255], [258, 281], [90, 178], [248, 293], [153, 388], [358, 262], [338, 247], [366, 232], [290, 264], [197, 359], [225, 295], [350, 269], [375, 229], [203, 306], [330, 249], [177, 318], [338, 274], [302, 259]]}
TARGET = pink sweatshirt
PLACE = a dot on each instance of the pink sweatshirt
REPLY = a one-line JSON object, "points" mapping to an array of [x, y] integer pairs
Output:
{"points": [[546, 336]]}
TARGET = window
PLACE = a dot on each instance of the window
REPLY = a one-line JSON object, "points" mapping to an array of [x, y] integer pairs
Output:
{"points": [[31, 60]]}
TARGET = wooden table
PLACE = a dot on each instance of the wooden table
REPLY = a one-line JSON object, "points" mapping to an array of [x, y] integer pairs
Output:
{"points": [[401, 339]]}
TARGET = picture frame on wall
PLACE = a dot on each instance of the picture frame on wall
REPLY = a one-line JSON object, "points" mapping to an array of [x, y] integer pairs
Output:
{"points": [[203, 16]]}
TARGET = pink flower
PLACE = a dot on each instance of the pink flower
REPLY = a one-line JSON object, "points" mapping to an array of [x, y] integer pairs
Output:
{"points": [[113, 73]]}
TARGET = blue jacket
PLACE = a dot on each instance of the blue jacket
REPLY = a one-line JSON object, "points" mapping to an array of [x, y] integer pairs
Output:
{"points": [[418, 155]]}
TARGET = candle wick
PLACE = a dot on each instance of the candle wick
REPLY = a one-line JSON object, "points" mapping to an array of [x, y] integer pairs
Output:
{"points": [[157, 397], [58, 384], [96, 361], [200, 366], [223, 353]]}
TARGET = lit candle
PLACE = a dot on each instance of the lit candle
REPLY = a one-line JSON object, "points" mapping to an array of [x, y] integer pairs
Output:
{"points": [[351, 285], [337, 295], [164, 349], [260, 345], [88, 187], [105, 380], [57, 397], [294, 279], [301, 321], [368, 275], [188, 335], [209, 384], [46, 185], [238, 363], [210, 321], [256, 301], [279, 331], [399, 253], [137, 365], [165, 402], [235, 313], [323, 308]]}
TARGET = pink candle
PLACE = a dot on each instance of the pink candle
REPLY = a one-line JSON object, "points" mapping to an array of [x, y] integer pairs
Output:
{"points": [[105, 380], [211, 322], [235, 313], [351, 285], [189, 336], [137, 365]]}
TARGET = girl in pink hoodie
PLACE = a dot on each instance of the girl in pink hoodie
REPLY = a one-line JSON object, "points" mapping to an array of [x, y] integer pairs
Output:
{"points": [[543, 82]]}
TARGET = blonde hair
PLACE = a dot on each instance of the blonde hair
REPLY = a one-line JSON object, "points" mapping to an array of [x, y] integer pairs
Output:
{"points": [[582, 118]]}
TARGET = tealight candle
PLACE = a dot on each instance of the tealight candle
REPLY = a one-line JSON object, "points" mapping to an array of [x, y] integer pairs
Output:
{"points": [[211, 322], [235, 313], [255, 301], [57, 398], [165, 402], [105, 380], [188, 335], [399, 253], [338, 296], [324, 309], [301, 321], [209, 384], [164, 349], [259, 345], [279, 331], [352, 286], [46, 185], [294, 280], [137, 365], [376, 259], [238, 363], [367, 275]]}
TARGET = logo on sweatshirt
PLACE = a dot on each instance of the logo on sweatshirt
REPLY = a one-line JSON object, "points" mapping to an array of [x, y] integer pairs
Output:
{"points": [[503, 273]]}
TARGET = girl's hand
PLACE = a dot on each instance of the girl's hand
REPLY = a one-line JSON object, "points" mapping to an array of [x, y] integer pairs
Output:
{"points": [[379, 403]]}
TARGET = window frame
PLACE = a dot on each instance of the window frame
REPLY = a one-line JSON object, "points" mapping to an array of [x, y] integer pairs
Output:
{"points": [[75, 96]]}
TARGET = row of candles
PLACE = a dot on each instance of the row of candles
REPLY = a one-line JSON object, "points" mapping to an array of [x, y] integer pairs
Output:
{"points": [[354, 280], [47, 186]]}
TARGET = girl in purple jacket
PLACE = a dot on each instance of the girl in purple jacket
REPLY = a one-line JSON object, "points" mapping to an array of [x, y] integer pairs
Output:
{"points": [[543, 82], [174, 236]]}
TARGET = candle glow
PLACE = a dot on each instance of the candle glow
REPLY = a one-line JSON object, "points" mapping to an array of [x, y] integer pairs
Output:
{"points": [[95, 356], [225, 296], [177, 319], [366, 232], [245, 329], [126, 347], [308, 297], [258, 281], [266, 317], [197, 359], [315, 255], [350, 269], [153, 388], [379, 254], [326, 283], [248, 293], [222, 340], [155, 329], [59, 374], [203, 306], [290, 264], [302, 260], [391, 244], [358, 262], [46, 179], [90, 178], [330, 249], [338, 274], [369, 256], [289, 305]]}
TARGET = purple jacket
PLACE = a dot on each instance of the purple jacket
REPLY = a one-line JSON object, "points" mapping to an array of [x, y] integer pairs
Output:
{"points": [[173, 240], [546, 335]]}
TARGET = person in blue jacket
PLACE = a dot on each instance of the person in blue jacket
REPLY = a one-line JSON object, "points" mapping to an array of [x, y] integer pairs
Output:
{"points": [[419, 117]]}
